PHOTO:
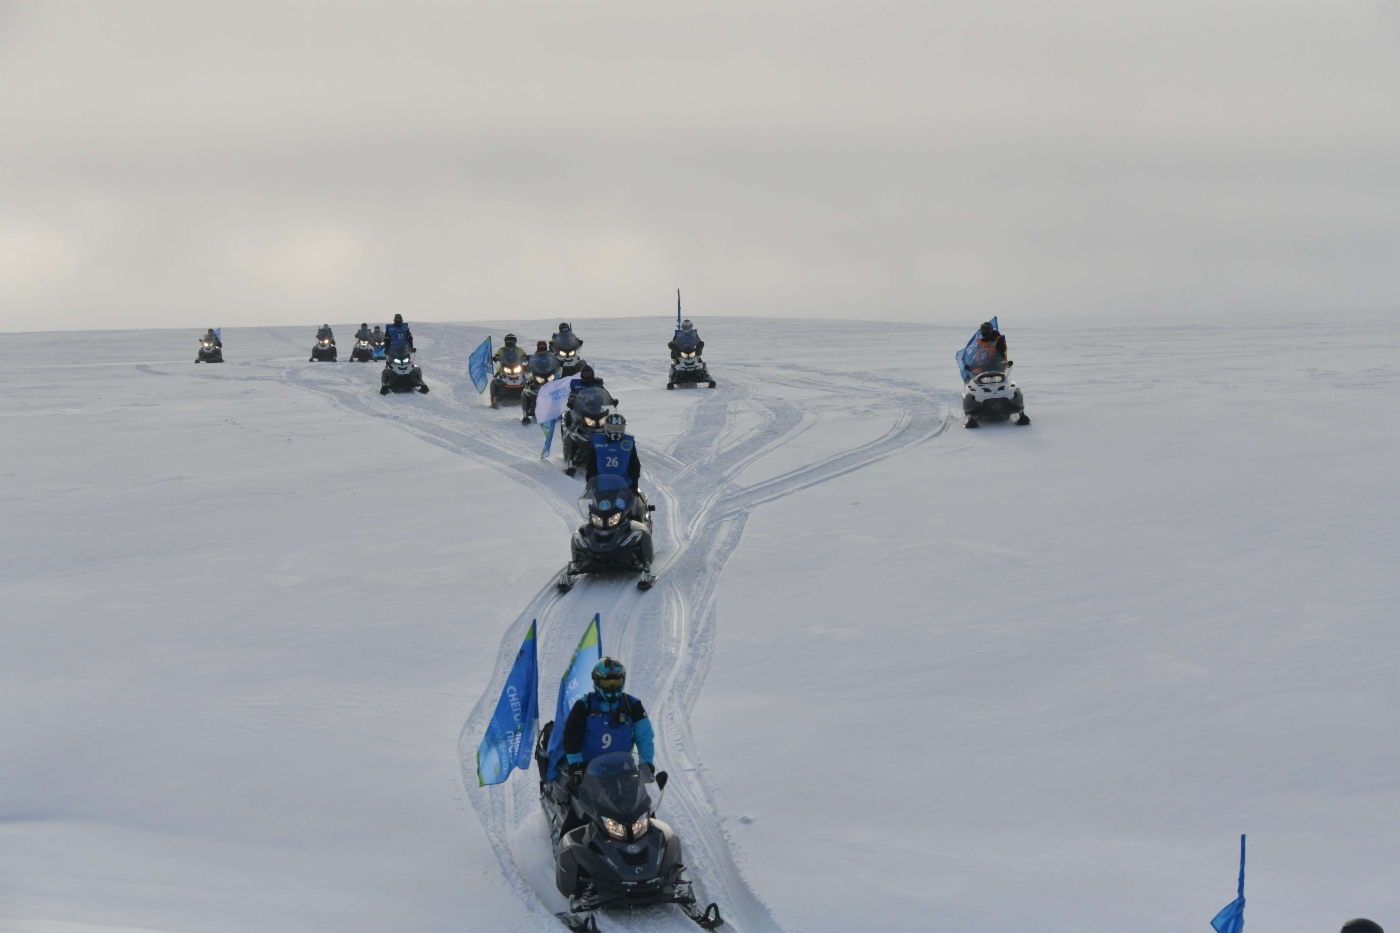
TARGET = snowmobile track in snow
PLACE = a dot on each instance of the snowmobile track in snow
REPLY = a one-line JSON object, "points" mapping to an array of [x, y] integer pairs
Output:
{"points": [[666, 636]]}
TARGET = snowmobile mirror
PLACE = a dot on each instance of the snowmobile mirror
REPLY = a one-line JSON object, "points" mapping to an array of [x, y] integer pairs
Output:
{"points": [[661, 778]]}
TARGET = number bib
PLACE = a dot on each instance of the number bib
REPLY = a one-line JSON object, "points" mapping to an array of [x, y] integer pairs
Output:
{"points": [[613, 456], [601, 736]]}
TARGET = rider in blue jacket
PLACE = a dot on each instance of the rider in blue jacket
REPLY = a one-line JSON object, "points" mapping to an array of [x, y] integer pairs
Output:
{"points": [[607, 720], [398, 332], [615, 452]]}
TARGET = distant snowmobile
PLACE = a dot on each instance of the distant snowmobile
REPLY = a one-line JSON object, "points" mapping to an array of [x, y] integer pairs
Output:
{"points": [[400, 373], [610, 850], [210, 350], [687, 368], [583, 421], [377, 350], [323, 351], [617, 536], [991, 396], [363, 352], [565, 345]]}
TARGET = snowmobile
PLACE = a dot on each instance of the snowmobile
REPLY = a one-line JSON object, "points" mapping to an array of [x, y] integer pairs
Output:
{"points": [[377, 349], [990, 395], [617, 536], [363, 352], [323, 351], [580, 424], [569, 362], [689, 369], [610, 850], [510, 379], [209, 351], [400, 373], [537, 374]]}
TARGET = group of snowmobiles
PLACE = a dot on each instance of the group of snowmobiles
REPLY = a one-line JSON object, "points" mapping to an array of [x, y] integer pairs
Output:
{"points": [[393, 345]]}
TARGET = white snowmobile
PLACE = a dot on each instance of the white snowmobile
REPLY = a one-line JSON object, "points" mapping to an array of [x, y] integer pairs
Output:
{"points": [[400, 374], [610, 850], [990, 395]]}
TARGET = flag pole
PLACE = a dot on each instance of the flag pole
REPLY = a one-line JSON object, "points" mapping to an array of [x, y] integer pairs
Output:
{"points": [[1241, 888]]}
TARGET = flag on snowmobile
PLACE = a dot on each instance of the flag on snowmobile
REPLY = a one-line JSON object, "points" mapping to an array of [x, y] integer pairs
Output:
{"points": [[219, 334], [509, 741], [1231, 917], [966, 351], [479, 365], [548, 428], [574, 686], [552, 401]]}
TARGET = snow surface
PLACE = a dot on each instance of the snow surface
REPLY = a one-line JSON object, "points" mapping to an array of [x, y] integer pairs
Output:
{"points": [[905, 676]]}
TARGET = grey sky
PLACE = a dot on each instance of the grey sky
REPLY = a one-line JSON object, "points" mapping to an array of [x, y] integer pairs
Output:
{"points": [[194, 163]]}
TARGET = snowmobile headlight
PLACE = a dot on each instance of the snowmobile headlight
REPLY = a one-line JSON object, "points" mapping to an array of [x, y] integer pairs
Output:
{"points": [[689, 356], [513, 370], [614, 519], [590, 422], [597, 520], [567, 354], [614, 828], [640, 827]]}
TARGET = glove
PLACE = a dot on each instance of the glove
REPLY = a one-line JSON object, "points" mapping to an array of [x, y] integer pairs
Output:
{"points": [[648, 772]]}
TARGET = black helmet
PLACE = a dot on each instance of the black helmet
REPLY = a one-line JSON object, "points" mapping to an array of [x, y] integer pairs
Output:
{"points": [[510, 339], [364, 323], [609, 676], [585, 373], [614, 426], [1359, 925], [988, 329], [398, 319], [563, 327]]}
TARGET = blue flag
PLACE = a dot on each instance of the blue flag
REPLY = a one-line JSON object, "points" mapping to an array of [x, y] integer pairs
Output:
{"points": [[548, 428], [219, 334], [509, 741], [1231, 917], [574, 686], [962, 355], [479, 365]]}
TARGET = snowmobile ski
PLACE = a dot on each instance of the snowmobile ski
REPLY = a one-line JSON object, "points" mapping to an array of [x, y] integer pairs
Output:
{"points": [[647, 581], [579, 923], [707, 919]]}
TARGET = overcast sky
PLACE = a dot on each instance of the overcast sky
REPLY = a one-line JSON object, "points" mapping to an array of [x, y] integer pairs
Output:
{"points": [[204, 163]]}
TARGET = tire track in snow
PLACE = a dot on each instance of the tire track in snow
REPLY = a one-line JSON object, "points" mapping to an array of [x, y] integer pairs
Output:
{"points": [[666, 636]]}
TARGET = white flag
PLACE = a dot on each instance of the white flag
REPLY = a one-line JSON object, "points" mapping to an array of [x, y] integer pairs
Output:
{"points": [[553, 400]]}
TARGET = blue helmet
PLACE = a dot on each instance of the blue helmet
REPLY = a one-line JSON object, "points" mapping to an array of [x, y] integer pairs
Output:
{"points": [[609, 676]]}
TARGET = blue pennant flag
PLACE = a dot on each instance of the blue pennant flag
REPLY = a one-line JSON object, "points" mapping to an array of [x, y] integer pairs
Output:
{"points": [[479, 365], [1231, 917], [574, 686], [962, 355], [509, 741], [548, 428], [219, 334]]}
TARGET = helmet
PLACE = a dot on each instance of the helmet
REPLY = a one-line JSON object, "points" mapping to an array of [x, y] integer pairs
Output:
{"points": [[1358, 925], [586, 373], [609, 676], [541, 346], [988, 329], [686, 325], [510, 339], [614, 426], [364, 324], [398, 319], [563, 327]]}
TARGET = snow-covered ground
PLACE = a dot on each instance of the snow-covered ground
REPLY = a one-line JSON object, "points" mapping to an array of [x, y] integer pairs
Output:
{"points": [[906, 676]]}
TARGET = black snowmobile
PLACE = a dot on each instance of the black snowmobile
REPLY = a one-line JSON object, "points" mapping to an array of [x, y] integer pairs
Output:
{"points": [[688, 368], [591, 406], [400, 373], [990, 395], [610, 850], [363, 351], [617, 536], [210, 351], [323, 351], [510, 378], [566, 346], [538, 372]]}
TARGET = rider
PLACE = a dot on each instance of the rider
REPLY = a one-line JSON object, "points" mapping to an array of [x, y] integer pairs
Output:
{"points": [[585, 379], [615, 452], [377, 338], [510, 355], [608, 720], [687, 329], [364, 332], [324, 333], [398, 332], [565, 339], [988, 352], [212, 338]]}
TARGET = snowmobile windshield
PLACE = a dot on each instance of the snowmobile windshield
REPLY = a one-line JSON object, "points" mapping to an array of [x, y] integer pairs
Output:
{"points": [[542, 367], [592, 402], [613, 787], [606, 495], [399, 351], [566, 342], [686, 341]]}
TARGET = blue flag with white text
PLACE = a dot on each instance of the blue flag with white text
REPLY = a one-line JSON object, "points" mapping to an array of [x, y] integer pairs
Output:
{"points": [[1231, 917], [574, 686], [962, 355], [479, 365], [509, 741]]}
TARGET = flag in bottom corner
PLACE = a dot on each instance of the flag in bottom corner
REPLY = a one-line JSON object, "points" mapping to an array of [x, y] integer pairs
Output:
{"points": [[1231, 917], [509, 741]]}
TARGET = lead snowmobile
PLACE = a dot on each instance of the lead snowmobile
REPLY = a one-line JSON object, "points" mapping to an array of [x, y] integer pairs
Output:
{"points": [[688, 368], [610, 850], [400, 373], [584, 419], [617, 536], [990, 395], [210, 351]]}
